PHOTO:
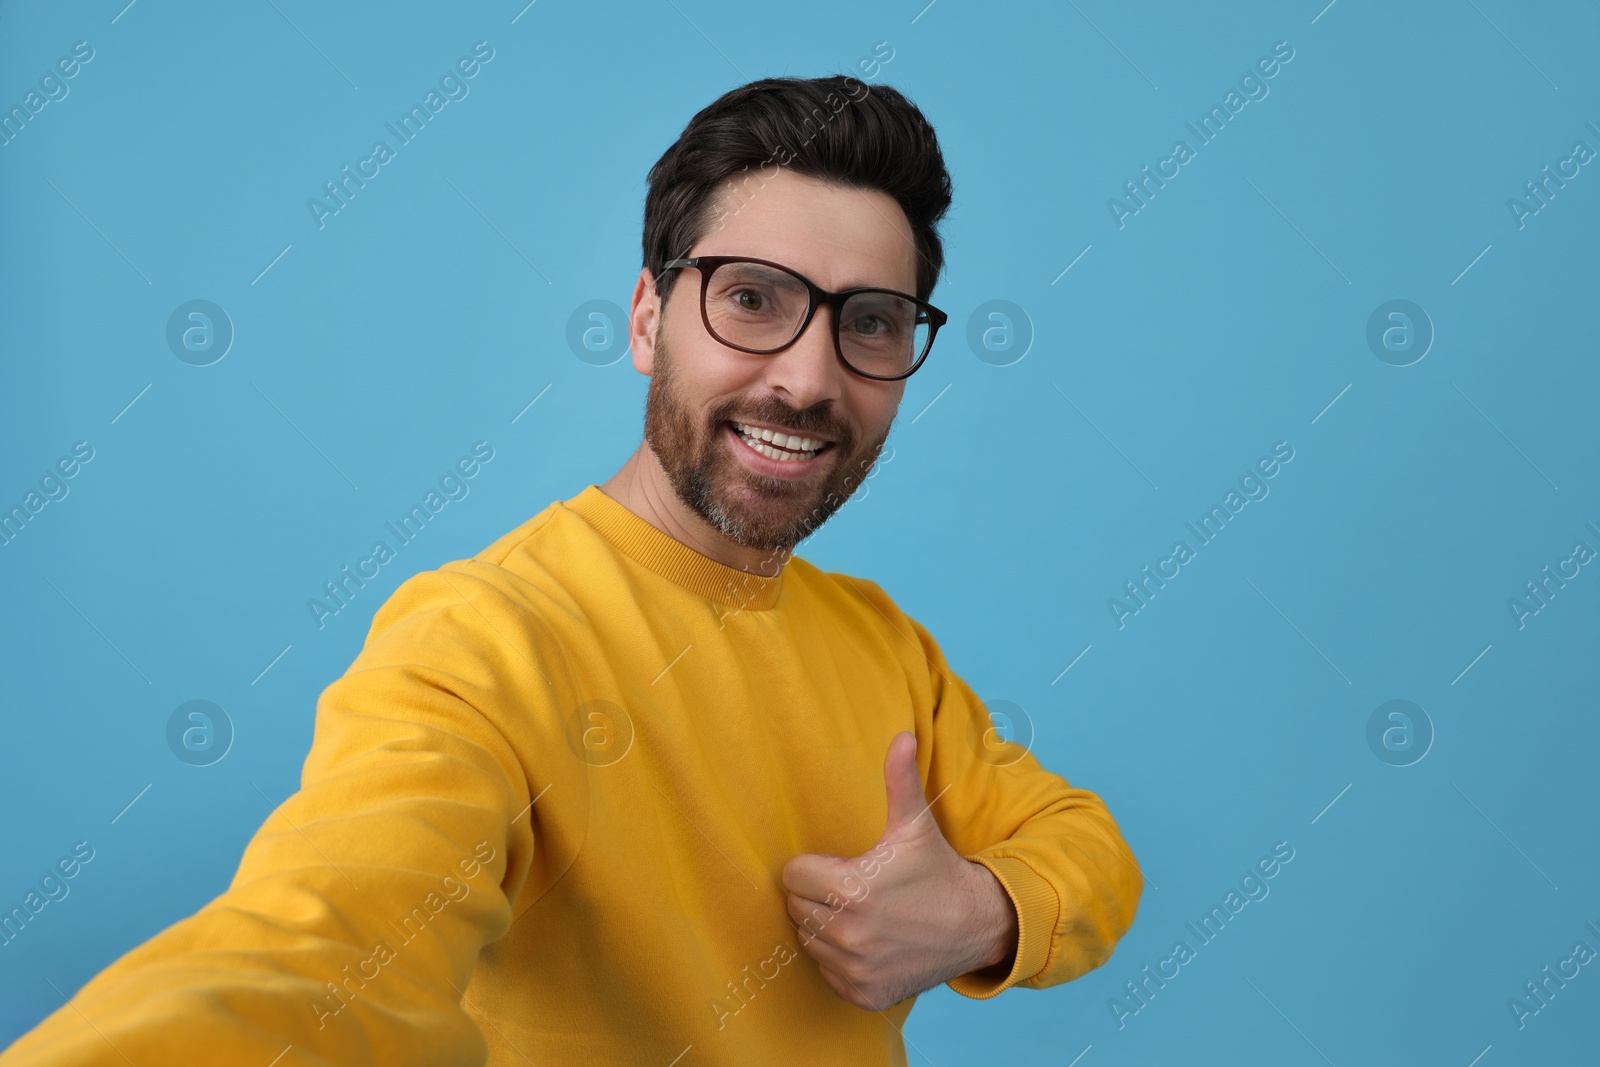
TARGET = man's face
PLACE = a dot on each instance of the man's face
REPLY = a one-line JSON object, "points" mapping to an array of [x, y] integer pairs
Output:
{"points": [[838, 237]]}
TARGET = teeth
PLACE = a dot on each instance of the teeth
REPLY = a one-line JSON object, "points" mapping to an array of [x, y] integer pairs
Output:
{"points": [[774, 453], [805, 444]]}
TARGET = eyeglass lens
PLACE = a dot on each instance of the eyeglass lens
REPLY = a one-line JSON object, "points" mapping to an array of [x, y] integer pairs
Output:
{"points": [[755, 306]]}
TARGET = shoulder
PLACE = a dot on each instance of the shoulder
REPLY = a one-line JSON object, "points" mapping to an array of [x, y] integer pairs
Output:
{"points": [[452, 593], [866, 600], [851, 588], [503, 594], [517, 551]]}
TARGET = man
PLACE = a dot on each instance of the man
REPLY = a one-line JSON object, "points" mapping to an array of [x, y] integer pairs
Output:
{"points": [[635, 784]]}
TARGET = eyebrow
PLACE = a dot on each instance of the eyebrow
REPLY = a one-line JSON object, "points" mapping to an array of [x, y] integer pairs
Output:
{"points": [[857, 284], [852, 285]]}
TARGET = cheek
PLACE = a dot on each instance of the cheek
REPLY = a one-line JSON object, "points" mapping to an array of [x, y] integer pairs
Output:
{"points": [[720, 386], [872, 415]]}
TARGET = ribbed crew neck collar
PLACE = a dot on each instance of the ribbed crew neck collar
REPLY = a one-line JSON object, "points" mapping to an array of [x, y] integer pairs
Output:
{"points": [[673, 560]]}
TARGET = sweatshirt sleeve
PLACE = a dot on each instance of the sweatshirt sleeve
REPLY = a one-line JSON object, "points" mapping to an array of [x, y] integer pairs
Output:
{"points": [[1054, 848], [351, 928]]}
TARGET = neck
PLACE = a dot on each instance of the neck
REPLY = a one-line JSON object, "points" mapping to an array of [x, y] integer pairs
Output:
{"points": [[641, 486]]}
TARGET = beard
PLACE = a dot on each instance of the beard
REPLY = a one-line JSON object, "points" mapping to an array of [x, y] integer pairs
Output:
{"points": [[748, 508]]}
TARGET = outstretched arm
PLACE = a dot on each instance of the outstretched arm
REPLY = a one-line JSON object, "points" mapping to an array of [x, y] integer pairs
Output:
{"points": [[358, 910]]}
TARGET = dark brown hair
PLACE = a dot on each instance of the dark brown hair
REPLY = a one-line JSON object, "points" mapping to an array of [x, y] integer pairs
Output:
{"points": [[834, 128]]}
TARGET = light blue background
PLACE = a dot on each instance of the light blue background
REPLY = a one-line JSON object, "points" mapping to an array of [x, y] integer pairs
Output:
{"points": [[1228, 715]]}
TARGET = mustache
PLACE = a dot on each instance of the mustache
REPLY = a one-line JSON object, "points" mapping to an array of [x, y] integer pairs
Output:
{"points": [[796, 421]]}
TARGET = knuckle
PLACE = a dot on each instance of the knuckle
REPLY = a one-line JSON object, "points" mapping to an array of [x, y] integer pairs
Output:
{"points": [[850, 938]]}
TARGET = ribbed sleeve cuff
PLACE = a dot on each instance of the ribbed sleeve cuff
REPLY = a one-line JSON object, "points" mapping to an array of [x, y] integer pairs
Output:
{"points": [[1038, 910]]}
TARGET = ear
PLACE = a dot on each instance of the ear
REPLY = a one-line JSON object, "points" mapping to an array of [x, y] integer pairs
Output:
{"points": [[644, 316]]}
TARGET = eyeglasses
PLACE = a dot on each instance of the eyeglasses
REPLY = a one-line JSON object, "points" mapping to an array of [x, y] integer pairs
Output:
{"points": [[762, 307]]}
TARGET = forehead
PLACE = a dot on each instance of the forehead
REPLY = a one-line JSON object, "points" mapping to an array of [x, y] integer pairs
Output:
{"points": [[838, 236]]}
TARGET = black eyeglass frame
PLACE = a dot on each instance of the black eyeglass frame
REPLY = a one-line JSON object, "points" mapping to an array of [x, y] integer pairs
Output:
{"points": [[817, 297]]}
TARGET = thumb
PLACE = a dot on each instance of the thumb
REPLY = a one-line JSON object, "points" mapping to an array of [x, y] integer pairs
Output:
{"points": [[902, 786]]}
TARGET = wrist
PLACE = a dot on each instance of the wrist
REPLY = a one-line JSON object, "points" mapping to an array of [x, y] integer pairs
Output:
{"points": [[996, 925]]}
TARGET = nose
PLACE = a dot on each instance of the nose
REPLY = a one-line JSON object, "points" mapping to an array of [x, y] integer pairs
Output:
{"points": [[809, 370]]}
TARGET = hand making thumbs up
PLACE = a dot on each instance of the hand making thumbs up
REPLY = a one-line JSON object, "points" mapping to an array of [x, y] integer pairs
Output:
{"points": [[905, 916]]}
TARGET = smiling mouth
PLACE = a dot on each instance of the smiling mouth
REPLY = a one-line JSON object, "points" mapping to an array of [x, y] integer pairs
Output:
{"points": [[784, 448]]}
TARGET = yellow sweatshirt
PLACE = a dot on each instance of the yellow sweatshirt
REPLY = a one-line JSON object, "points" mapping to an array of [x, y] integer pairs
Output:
{"points": [[546, 810]]}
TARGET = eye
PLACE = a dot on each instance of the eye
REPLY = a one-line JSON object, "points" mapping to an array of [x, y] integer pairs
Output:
{"points": [[750, 300]]}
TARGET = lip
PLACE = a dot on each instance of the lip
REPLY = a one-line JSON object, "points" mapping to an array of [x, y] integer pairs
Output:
{"points": [[777, 468]]}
